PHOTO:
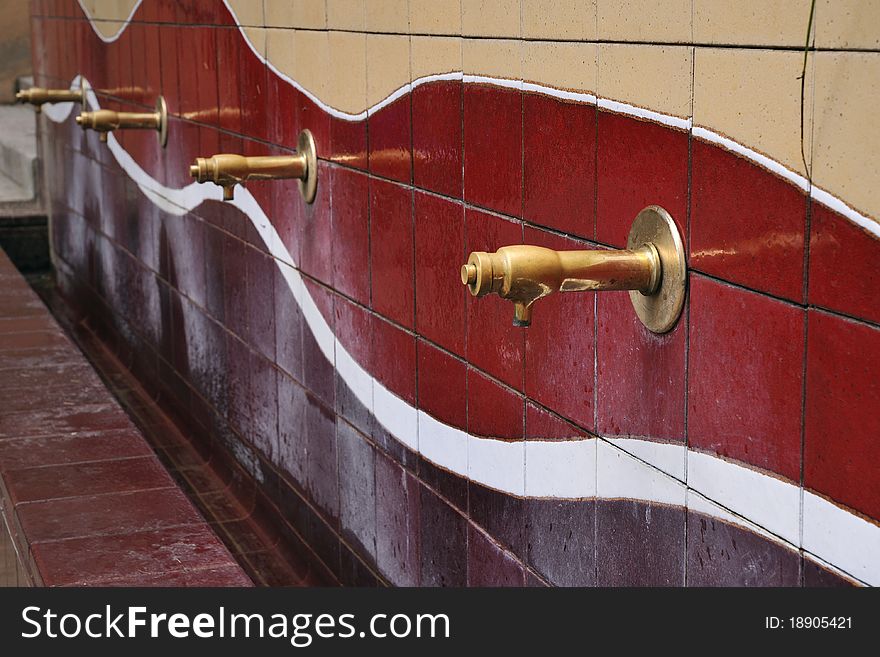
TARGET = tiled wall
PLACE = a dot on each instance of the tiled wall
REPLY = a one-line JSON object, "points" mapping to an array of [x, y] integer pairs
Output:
{"points": [[408, 433]]}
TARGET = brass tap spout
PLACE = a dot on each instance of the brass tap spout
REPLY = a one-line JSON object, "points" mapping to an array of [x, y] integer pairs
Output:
{"points": [[652, 268], [523, 273], [36, 96], [105, 121], [228, 170]]}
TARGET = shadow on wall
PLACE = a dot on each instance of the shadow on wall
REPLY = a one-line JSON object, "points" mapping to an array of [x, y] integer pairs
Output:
{"points": [[15, 46]]}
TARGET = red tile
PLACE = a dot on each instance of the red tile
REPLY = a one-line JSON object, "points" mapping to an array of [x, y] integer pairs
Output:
{"points": [[253, 81], [440, 297], [48, 421], [560, 347], [391, 251], [289, 225], [489, 564], [59, 450], [354, 330], [282, 126], [442, 386], [123, 513], [493, 148], [543, 425], [394, 359], [169, 55], [348, 142], [311, 117], [641, 375], [198, 74], [317, 230], [102, 558], [743, 404], [842, 262], [747, 225], [436, 131], [59, 481], [229, 45], [351, 231], [559, 164], [640, 163], [493, 410], [841, 450], [391, 140], [493, 343]]}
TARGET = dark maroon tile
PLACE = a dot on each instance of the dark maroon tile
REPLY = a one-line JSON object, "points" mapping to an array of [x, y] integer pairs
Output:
{"points": [[288, 323], [354, 572], [560, 347], [816, 575], [103, 558], [391, 251], [443, 542], [500, 514], [722, 554], [390, 143], [398, 523], [440, 296], [318, 372], [641, 375], [436, 134], [354, 330], [639, 544], [640, 163], [492, 342], [263, 401], [766, 252], [60, 481], [559, 164], [490, 565], [493, 149], [742, 404], [560, 540], [357, 490], [351, 230], [841, 450], [124, 513], [394, 359], [322, 468], [260, 297], [60, 450], [841, 259]]}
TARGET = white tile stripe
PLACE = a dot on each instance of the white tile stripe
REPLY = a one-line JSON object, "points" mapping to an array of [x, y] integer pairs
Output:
{"points": [[557, 469]]}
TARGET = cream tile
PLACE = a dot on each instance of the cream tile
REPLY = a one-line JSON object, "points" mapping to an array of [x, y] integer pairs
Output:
{"points": [[346, 14], [311, 54], [388, 16], [653, 77], [347, 84], [435, 16], [257, 38], [848, 24], [644, 20], [559, 19], [247, 12], [281, 50], [492, 57], [846, 142], [754, 98], [751, 22], [495, 18], [568, 66], [431, 55], [387, 65], [309, 14]]}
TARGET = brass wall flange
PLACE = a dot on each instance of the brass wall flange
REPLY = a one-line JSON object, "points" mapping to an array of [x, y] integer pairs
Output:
{"points": [[660, 310], [36, 96], [228, 170], [105, 121], [652, 267]]}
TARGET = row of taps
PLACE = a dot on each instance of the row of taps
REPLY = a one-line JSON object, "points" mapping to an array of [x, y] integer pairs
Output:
{"points": [[652, 266]]}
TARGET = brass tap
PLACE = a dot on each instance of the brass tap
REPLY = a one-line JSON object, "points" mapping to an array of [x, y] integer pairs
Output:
{"points": [[652, 267], [36, 96], [105, 121], [227, 170]]}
